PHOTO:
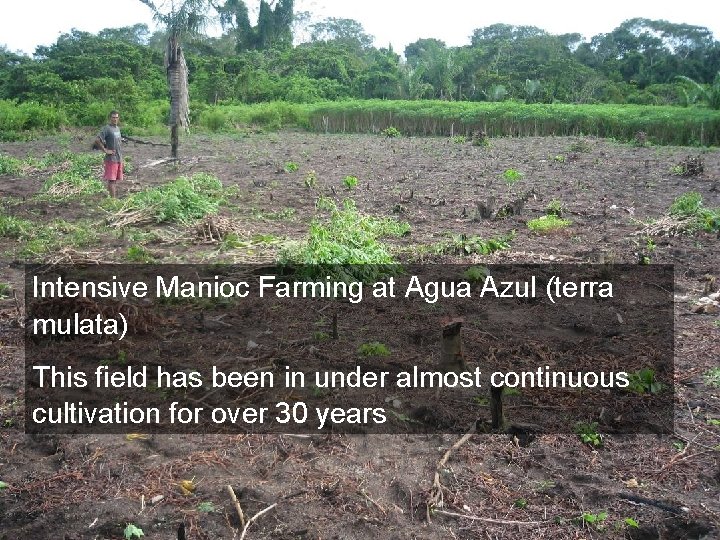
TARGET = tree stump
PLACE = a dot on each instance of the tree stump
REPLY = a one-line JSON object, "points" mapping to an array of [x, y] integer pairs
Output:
{"points": [[452, 358]]}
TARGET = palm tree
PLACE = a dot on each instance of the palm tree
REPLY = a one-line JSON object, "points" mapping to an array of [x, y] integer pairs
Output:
{"points": [[186, 17]]}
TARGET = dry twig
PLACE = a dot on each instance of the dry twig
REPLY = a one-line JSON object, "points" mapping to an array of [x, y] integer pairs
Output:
{"points": [[489, 520], [436, 494], [254, 518]]}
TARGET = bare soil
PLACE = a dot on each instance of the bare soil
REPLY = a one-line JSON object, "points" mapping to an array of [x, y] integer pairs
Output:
{"points": [[377, 486]]}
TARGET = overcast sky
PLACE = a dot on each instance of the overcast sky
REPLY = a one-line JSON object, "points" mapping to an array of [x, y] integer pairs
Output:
{"points": [[25, 24]]}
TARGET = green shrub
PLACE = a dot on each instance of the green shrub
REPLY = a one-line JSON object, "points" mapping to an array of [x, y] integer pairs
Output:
{"points": [[391, 132], [213, 119], [686, 205], [689, 205]]}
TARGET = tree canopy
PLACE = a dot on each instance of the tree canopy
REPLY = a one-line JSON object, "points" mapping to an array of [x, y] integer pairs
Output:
{"points": [[641, 61]]}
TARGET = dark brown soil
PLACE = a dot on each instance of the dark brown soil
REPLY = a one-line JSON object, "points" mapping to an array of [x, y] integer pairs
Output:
{"points": [[378, 486]]}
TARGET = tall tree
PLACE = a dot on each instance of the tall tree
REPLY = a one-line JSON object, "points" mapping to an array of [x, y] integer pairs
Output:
{"points": [[186, 17], [346, 31], [273, 30]]}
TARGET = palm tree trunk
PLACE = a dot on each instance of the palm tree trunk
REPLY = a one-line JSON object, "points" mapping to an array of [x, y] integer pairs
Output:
{"points": [[178, 85]]}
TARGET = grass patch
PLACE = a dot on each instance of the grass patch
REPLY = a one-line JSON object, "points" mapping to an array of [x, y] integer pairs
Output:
{"points": [[548, 223], [374, 348], [138, 254], [59, 235], [13, 227], [712, 377]]}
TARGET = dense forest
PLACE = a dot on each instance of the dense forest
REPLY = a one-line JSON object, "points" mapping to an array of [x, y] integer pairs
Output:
{"points": [[81, 76]]}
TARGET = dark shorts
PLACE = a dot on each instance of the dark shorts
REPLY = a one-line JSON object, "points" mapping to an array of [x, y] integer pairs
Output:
{"points": [[113, 171]]}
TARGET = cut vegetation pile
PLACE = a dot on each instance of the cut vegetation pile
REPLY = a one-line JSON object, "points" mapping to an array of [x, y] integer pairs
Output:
{"points": [[183, 200], [347, 237]]}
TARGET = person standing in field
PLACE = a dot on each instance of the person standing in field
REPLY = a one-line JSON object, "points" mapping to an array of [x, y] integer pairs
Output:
{"points": [[109, 141]]}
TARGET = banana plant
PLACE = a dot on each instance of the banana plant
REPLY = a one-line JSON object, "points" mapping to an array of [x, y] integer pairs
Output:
{"points": [[709, 93]]}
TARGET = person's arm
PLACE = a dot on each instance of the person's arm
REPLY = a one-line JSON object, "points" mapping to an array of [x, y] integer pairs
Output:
{"points": [[99, 142]]}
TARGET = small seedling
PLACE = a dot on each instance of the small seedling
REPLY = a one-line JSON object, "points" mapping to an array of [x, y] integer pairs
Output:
{"points": [[132, 531], [461, 244], [374, 348], [676, 170], [476, 274], [587, 431], [207, 507], [310, 179], [630, 522], [291, 167], [3, 485], [4, 290], [554, 208], [403, 417], [391, 132], [511, 176], [321, 336], [593, 520], [650, 244], [459, 139], [543, 485], [580, 146], [713, 421], [350, 182], [679, 446], [559, 158], [520, 503], [480, 138], [643, 381]]}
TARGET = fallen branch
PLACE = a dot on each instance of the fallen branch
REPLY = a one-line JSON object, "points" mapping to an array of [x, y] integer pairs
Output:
{"points": [[374, 502], [254, 518], [140, 141], [490, 520], [158, 162], [238, 508]]}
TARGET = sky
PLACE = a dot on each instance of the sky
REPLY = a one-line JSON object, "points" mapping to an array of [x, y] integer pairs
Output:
{"points": [[25, 24]]}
